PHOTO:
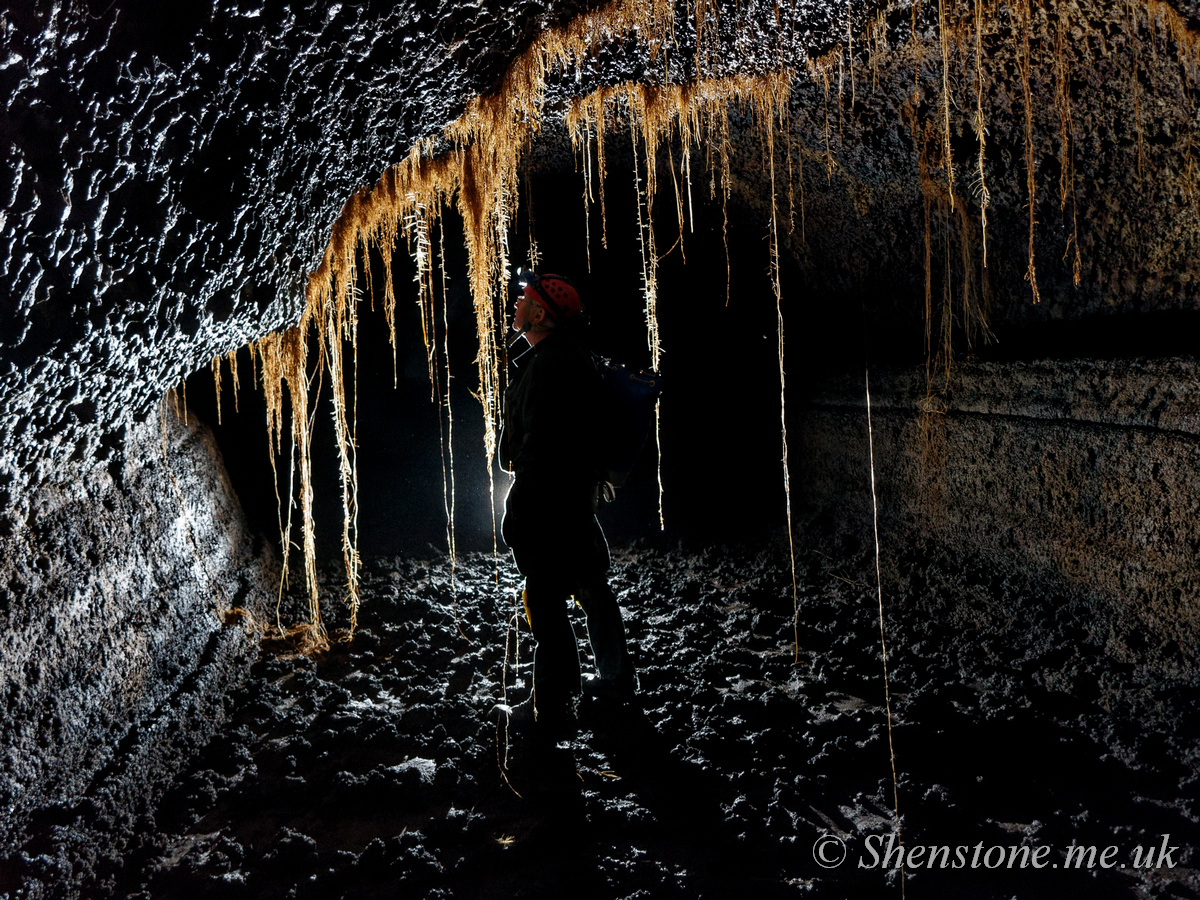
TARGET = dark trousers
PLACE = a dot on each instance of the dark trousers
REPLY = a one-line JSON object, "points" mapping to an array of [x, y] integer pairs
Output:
{"points": [[556, 675], [562, 552]]}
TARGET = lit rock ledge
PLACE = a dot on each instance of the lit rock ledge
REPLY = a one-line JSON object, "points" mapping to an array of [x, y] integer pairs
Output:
{"points": [[118, 642], [1085, 472]]}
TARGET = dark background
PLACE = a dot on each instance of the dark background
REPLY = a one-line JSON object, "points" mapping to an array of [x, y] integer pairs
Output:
{"points": [[720, 417], [721, 469]]}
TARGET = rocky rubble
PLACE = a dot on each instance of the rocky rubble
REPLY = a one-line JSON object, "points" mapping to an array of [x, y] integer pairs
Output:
{"points": [[377, 768]]}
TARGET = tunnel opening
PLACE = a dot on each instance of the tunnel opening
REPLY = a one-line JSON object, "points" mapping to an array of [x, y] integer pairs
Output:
{"points": [[1036, 492], [721, 366]]}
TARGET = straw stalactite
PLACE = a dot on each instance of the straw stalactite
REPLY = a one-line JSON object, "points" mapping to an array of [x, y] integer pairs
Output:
{"points": [[477, 171]]}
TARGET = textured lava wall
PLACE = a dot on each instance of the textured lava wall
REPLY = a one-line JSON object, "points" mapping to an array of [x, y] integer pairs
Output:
{"points": [[1080, 474], [170, 178], [171, 175], [118, 641], [1068, 448]]}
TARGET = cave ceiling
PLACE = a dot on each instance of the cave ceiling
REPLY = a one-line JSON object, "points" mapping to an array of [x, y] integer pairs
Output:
{"points": [[173, 177]]}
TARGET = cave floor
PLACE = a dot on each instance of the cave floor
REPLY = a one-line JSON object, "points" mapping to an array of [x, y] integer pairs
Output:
{"points": [[377, 771]]}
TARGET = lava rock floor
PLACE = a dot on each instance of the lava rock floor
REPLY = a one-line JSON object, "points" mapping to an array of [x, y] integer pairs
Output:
{"points": [[376, 769]]}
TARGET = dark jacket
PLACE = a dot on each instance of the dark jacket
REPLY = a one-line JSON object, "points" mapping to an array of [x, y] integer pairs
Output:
{"points": [[551, 413], [550, 441]]}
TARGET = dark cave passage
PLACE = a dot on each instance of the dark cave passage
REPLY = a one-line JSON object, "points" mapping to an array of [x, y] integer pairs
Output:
{"points": [[170, 187], [376, 768], [720, 414]]}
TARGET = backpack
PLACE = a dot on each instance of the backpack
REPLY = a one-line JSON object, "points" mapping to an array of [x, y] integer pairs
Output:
{"points": [[629, 397]]}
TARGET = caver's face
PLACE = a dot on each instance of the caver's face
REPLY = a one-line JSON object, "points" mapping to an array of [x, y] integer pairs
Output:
{"points": [[528, 314]]}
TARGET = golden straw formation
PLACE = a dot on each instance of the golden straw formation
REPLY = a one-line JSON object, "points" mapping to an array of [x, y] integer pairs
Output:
{"points": [[479, 176]]}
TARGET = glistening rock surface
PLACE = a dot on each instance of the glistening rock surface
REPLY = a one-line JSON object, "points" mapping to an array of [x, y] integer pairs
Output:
{"points": [[378, 769], [112, 678], [171, 176], [1087, 473]]}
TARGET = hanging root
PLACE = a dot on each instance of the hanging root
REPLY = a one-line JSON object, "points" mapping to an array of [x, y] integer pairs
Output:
{"points": [[479, 174], [979, 125], [1024, 64], [887, 693], [1066, 159], [944, 38]]}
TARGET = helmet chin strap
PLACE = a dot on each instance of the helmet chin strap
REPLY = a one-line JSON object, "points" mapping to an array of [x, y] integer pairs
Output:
{"points": [[512, 341], [516, 337]]}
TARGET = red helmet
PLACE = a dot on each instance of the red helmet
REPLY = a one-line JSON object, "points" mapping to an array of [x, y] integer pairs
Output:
{"points": [[553, 293]]}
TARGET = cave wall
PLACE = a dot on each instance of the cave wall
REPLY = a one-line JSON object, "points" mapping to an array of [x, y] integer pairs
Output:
{"points": [[130, 602], [171, 177], [1055, 437], [1080, 478]]}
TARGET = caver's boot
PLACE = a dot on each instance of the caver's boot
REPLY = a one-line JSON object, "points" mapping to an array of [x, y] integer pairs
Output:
{"points": [[621, 690], [548, 724], [617, 681]]}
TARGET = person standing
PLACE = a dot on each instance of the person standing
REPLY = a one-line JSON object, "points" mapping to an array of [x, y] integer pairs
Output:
{"points": [[551, 442]]}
